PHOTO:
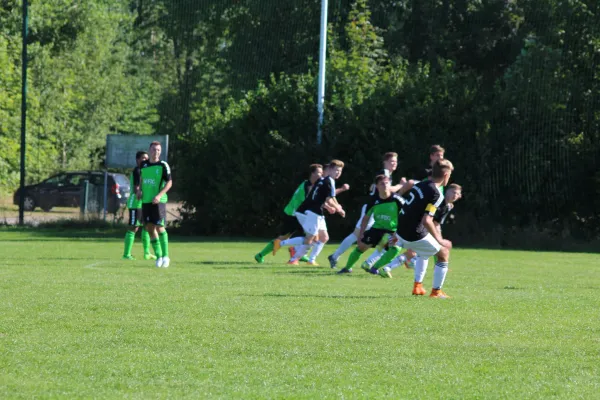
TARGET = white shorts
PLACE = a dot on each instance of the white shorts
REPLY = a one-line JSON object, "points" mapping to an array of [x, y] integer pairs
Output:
{"points": [[424, 248], [311, 223], [362, 214]]}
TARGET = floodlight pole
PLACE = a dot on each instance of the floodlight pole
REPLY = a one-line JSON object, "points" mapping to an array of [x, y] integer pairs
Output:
{"points": [[23, 113], [322, 61]]}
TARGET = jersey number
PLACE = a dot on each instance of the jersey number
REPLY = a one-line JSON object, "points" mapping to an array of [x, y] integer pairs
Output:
{"points": [[412, 198]]}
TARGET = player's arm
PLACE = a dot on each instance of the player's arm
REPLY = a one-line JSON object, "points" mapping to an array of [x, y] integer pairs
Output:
{"points": [[344, 187], [403, 188], [429, 224], [333, 203], [363, 224], [136, 183], [166, 175]]}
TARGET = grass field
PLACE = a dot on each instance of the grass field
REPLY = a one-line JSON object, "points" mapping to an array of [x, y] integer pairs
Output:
{"points": [[77, 322]]}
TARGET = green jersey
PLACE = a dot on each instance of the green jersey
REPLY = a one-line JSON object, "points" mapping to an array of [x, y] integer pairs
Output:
{"points": [[297, 198], [385, 212], [133, 201], [153, 178]]}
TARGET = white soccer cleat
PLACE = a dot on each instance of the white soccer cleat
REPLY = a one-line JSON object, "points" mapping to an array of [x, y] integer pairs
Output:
{"points": [[159, 262], [166, 261]]}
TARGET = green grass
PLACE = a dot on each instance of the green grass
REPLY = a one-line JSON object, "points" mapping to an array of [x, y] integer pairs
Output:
{"points": [[77, 322]]}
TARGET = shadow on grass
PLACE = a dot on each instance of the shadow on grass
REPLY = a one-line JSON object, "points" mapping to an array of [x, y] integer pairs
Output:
{"points": [[320, 296]]}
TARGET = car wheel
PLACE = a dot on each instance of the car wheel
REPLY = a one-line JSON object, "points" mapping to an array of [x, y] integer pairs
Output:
{"points": [[28, 203]]}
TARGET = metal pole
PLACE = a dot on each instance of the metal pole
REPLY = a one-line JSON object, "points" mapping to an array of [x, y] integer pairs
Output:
{"points": [[322, 61], [23, 113], [105, 193]]}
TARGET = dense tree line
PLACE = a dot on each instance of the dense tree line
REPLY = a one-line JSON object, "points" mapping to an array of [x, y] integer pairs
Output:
{"points": [[510, 88]]}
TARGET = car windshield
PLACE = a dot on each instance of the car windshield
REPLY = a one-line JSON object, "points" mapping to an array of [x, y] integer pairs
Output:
{"points": [[121, 179]]}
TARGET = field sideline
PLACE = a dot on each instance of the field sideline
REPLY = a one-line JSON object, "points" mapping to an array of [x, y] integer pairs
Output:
{"points": [[77, 322]]}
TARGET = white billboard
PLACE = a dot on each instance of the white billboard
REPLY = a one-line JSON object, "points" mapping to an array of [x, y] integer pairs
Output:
{"points": [[121, 149]]}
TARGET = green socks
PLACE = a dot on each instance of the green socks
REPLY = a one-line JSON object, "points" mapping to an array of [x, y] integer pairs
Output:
{"points": [[129, 238], [156, 247], [146, 241], [387, 257], [268, 248], [353, 258], [163, 238]]}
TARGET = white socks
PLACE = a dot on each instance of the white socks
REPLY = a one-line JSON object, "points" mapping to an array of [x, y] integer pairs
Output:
{"points": [[420, 268], [317, 247], [439, 274], [293, 241], [345, 245]]}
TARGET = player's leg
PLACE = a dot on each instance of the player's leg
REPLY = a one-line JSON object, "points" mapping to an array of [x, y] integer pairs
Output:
{"points": [[317, 247], [163, 236], [385, 271], [370, 239], [151, 218], [311, 224], [145, 236], [439, 274], [348, 241], [130, 235], [420, 268]]}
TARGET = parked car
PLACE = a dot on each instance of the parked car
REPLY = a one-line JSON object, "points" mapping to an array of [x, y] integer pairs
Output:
{"points": [[66, 190]]}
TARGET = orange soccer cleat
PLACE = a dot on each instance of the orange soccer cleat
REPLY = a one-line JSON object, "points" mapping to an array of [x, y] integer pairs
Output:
{"points": [[437, 293], [418, 289]]}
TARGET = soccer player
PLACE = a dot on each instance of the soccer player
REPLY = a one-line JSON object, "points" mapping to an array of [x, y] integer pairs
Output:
{"points": [[453, 194], [390, 163], [310, 213], [417, 231], [135, 215], [290, 224], [383, 209], [152, 186], [436, 152]]}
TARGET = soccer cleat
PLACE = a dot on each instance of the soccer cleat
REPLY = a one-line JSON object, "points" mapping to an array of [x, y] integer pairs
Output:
{"points": [[159, 262], [292, 251], [313, 263], [149, 256], [345, 271], [332, 261], [385, 272], [374, 271], [259, 258], [365, 266], [304, 259], [129, 257], [276, 246], [166, 262], [438, 294], [293, 262], [418, 289]]}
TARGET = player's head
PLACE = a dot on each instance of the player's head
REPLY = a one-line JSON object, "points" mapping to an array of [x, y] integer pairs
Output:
{"points": [[442, 169], [390, 161], [316, 171], [334, 169], [140, 157], [155, 149], [453, 193], [436, 152], [382, 183]]}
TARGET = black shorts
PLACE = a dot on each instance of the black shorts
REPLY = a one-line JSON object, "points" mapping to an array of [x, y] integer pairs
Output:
{"points": [[135, 217], [154, 213], [373, 236], [289, 226]]}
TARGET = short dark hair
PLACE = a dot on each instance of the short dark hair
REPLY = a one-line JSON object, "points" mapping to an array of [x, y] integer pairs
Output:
{"points": [[155, 143], [313, 167], [379, 178], [139, 154], [436, 148], [454, 186]]}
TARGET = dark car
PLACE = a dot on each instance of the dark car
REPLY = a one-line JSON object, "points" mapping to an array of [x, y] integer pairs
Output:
{"points": [[67, 190]]}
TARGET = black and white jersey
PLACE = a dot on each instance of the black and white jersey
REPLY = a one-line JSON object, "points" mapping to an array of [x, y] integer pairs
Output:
{"points": [[443, 212], [424, 198], [320, 192]]}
